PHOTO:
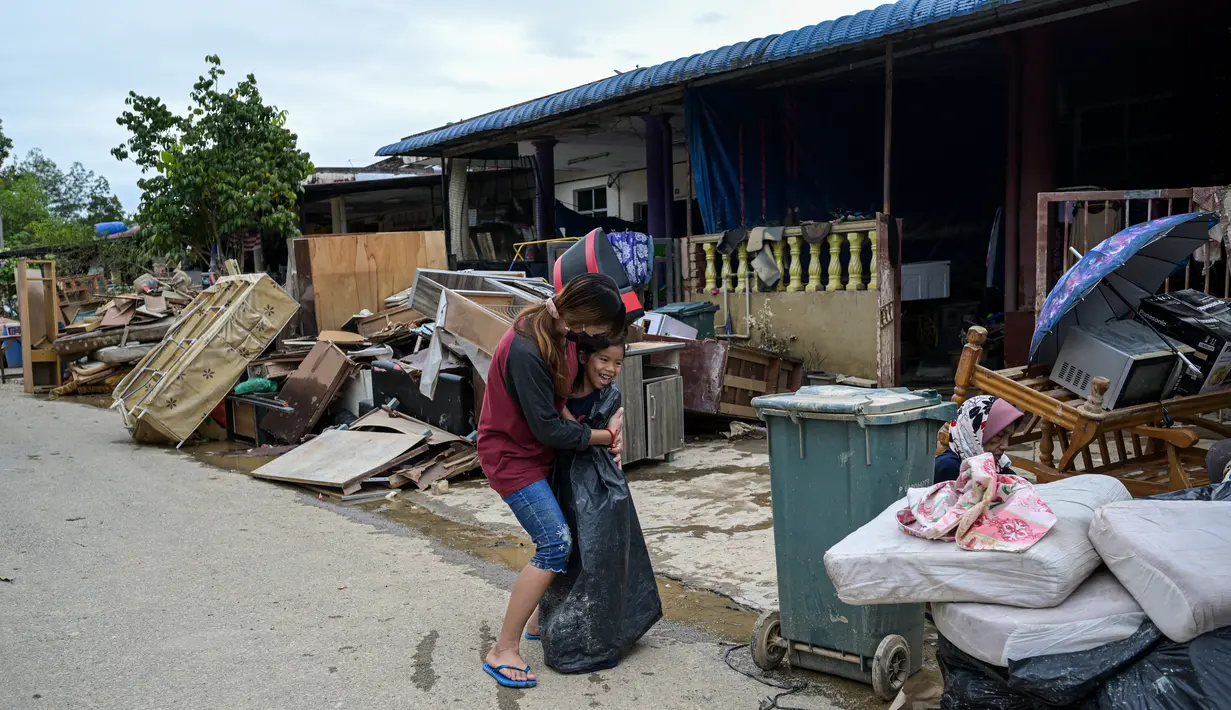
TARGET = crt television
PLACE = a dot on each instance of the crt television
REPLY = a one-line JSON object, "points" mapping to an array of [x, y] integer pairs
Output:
{"points": [[1137, 361]]}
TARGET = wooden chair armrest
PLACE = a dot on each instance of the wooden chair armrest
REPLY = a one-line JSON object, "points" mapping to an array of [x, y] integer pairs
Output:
{"points": [[1179, 438]]}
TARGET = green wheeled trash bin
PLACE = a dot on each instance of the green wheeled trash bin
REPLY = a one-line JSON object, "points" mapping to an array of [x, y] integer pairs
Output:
{"points": [[838, 456]]}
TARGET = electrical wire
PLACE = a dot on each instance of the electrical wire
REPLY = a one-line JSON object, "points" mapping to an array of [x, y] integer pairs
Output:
{"points": [[769, 703]]}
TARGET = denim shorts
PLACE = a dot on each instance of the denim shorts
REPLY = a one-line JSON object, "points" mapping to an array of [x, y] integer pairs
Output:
{"points": [[539, 513]]}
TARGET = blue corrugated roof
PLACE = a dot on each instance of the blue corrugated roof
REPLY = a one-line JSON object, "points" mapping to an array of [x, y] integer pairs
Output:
{"points": [[882, 21]]}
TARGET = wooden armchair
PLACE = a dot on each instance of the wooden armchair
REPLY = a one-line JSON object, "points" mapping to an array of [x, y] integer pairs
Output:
{"points": [[1130, 443]]}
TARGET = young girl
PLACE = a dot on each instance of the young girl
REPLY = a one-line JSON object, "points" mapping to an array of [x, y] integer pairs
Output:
{"points": [[599, 371], [531, 376], [983, 425]]}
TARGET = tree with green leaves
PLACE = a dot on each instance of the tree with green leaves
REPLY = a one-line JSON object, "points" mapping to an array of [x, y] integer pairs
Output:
{"points": [[227, 166], [6, 145], [74, 196]]}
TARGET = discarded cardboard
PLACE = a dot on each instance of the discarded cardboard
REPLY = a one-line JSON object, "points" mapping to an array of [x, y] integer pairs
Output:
{"points": [[175, 387], [309, 391], [339, 459]]}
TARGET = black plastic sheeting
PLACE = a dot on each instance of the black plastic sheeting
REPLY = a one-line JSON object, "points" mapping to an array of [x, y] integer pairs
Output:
{"points": [[1175, 676], [1216, 492], [593, 614], [1143, 672]]}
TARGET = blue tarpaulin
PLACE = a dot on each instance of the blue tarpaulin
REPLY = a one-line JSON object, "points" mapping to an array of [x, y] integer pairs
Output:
{"points": [[756, 156]]}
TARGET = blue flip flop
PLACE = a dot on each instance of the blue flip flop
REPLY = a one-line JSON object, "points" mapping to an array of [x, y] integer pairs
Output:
{"points": [[507, 681], [530, 637]]}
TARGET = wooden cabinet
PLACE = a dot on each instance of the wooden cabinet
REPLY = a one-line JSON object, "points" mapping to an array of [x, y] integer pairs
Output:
{"points": [[653, 400]]}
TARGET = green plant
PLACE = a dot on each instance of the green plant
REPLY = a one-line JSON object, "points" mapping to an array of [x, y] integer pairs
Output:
{"points": [[226, 166]]}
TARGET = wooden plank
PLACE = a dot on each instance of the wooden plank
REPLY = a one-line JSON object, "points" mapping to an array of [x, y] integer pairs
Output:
{"points": [[309, 391], [351, 272], [488, 298], [745, 383], [467, 319], [338, 458], [737, 410], [888, 307]]}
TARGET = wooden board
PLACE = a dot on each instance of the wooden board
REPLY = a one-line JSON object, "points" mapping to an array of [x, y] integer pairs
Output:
{"points": [[309, 391], [467, 319], [351, 272], [82, 343], [338, 458], [38, 308]]}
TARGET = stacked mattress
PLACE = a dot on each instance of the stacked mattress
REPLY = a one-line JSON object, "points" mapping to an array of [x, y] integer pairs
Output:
{"points": [[1174, 557], [880, 564], [1100, 612]]}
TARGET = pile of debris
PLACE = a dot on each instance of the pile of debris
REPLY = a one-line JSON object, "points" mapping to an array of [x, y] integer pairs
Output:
{"points": [[388, 400], [106, 332]]}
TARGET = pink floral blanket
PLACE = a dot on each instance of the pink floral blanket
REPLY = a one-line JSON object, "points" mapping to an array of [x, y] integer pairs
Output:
{"points": [[982, 510]]}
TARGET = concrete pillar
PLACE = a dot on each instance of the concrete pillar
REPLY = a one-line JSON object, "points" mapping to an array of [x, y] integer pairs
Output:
{"points": [[1013, 174], [668, 168], [1038, 148], [337, 210], [655, 180], [545, 195], [461, 245]]}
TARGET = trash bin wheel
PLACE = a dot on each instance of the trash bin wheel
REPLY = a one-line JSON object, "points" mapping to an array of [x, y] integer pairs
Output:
{"points": [[768, 648], [890, 666]]}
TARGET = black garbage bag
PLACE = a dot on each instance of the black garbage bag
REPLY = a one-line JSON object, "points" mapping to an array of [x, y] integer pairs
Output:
{"points": [[971, 684], [1175, 676], [593, 614], [1214, 492], [1060, 681], [1069, 678]]}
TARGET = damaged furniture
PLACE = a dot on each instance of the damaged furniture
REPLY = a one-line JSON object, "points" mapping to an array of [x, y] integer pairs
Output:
{"points": [[721, 378], [653, 400], [38, 307], [176, 386], [1132, 445]]}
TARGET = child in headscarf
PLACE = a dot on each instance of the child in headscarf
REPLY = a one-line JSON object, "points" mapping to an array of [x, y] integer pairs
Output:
{"points": [[983, 425]]}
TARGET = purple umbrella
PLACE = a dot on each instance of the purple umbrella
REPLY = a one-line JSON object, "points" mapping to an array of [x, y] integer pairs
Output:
{"points": [[1110, 280]]}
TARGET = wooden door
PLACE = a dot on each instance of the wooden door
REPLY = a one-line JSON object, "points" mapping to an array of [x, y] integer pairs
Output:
{"points": [[664, 416]]}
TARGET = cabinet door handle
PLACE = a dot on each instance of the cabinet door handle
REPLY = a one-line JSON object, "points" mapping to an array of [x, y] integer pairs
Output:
{"points": [[653, 408]]}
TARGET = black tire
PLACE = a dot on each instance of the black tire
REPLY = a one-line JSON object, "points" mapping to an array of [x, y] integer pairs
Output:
{"points": [[766, 652], [890, 667]]}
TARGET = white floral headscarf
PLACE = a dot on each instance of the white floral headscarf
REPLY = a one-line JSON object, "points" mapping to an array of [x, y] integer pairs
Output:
{"points": [[966, 432]]}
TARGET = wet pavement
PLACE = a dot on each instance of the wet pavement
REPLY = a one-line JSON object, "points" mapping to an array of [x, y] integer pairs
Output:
{"points": [[167, 591], [706, 518]]}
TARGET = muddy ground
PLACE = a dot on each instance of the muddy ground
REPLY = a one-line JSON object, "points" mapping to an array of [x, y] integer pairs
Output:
{"points": [[137, 577]]}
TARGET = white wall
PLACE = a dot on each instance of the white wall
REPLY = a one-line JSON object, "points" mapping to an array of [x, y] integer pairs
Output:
{"points": [[628, 189]]}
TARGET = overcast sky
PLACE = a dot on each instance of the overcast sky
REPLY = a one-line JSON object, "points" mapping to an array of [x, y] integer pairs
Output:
{"points": [[354, 74]]}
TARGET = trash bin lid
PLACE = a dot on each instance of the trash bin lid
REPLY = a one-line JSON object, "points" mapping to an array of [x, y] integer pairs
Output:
{"points": [[840, 400], [687, 308]]}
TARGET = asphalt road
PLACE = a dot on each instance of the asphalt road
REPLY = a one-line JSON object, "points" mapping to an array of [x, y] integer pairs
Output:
{"points": [[135, 577]]}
